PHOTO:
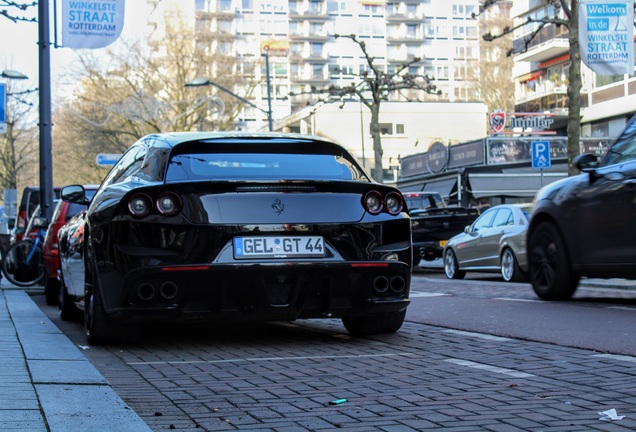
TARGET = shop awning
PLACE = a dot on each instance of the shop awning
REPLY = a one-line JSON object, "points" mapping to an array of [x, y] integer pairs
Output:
{"points": [[522, 185], [552, 62], [443, 187], [529, 77]]}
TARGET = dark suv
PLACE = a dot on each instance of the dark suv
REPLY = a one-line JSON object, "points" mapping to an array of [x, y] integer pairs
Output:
{"points": [[584, 225]]}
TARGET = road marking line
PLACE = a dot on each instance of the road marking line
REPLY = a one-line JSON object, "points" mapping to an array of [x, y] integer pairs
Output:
{"points": [[518, 300], [617, 357], [255, 359], [477, 335], [622, 308], [489, 368], [414, 294]]}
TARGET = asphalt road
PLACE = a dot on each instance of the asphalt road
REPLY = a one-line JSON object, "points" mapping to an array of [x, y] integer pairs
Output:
{"points": [[597, 319]]}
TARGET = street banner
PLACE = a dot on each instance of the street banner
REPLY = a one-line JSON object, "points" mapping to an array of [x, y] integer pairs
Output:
{"points": [[91, 24], [606, 36]]}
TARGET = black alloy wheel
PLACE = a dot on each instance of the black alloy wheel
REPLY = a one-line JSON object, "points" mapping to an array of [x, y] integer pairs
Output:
{"points": [[550, 272]]}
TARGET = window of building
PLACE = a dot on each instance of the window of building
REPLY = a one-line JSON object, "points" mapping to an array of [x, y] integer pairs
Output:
{"points": [[399, 129], [459, 31], [459, 10], [386, 128], [202, 5], [318, 71], [225, 5], [316, 49], [602, 80], [224, 26], [411, 30], [441, 72], [317, 29]]}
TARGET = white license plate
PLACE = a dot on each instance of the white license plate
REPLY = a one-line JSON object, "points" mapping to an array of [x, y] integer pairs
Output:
{"points": [[278, 247]]}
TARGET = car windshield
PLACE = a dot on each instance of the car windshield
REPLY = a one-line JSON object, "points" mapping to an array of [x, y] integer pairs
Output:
{"points": [[261, 166], [624, 148]]}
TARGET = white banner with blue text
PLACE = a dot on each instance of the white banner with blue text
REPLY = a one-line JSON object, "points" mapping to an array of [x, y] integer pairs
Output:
{"points": [[91, 24]]}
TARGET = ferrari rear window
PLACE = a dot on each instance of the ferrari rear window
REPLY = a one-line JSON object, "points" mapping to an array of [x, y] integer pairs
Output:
{"points": [[261, 166]]}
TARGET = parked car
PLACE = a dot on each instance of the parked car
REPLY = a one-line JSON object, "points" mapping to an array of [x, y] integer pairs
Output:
{"points": [[71, 272], [249, 226], [63, 212], [583, 226], [495, 242], [29, 201]]}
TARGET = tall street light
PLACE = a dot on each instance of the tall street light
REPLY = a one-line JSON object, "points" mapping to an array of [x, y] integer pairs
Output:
{"points": [[46, 122], [202, 81], [13, 74]]}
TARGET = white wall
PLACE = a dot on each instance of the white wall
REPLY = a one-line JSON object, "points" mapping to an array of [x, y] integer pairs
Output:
{"points": [[424, 123]]}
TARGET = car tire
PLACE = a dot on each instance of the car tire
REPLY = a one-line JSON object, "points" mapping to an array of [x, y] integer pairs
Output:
{"points": [[510, 270], [68, 311], [376, 324], [451, 266], [550, 272], [51, 290], [98, 328]]}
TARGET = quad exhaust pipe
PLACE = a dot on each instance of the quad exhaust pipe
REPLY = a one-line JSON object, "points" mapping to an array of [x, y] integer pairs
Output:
{"points": [[167, 291], [382, 284]]}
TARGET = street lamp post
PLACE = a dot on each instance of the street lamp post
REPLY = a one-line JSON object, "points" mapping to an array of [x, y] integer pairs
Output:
{"points": [[202, 81], [46, 139], [13, 74]]}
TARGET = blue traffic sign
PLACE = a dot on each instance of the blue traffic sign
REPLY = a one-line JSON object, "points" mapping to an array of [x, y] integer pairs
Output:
{"points": [[541, 154], [107, 159]]}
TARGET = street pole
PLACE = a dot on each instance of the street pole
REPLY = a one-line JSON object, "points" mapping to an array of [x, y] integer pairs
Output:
{"points": [[269, 91], [46, 151]]}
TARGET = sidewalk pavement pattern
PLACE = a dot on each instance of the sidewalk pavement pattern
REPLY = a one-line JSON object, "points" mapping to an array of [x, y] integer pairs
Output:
{"points": [[46, 382]]}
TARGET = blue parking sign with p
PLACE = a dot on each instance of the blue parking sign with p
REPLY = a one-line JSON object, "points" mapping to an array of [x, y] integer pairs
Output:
{"points": [[541, 154]]}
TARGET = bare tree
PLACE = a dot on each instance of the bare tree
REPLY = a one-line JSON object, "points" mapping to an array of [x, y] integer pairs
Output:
{"points": [[374, 86], [19, 145], [17, 11], [494, 67], [564, 13], [139, 90]]}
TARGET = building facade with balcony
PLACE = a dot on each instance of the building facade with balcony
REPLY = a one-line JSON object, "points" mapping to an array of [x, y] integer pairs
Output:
{"points": [[541, 74]]}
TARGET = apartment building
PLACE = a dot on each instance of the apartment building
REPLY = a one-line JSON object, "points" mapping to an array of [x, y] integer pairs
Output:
{"points": [[291, 46]]}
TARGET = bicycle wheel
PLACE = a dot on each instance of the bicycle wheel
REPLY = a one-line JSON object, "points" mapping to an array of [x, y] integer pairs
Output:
{"points": [[24, 263]]}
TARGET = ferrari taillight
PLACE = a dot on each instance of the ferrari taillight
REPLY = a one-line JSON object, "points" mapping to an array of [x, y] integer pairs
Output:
{"points": [[139, 205]]}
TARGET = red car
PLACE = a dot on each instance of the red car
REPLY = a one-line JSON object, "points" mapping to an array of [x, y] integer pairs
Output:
{"points": [[64, 211]]}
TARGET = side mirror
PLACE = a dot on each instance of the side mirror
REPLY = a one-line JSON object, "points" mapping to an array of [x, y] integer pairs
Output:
{"points": [[585, 162], [467, 229], [73, 193]]}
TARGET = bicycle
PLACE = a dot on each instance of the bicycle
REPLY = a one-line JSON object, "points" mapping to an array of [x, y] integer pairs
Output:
{"points": [[23, 264]]}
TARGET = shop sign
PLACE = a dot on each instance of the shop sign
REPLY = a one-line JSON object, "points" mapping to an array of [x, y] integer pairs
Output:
{"points": [[437, 158], [512, 150], [462, 155], [520, 123]]}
